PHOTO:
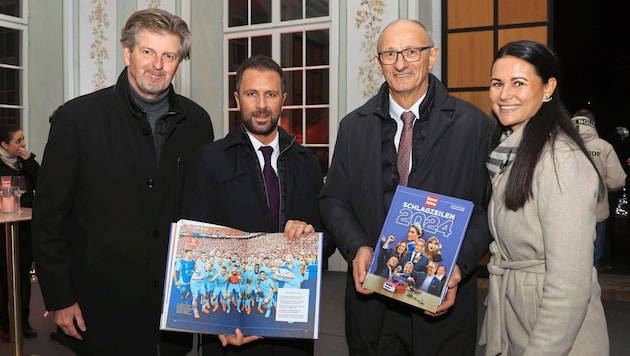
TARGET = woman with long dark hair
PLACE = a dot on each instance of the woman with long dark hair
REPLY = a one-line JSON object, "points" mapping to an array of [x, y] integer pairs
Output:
{"points": [[544, 296]]}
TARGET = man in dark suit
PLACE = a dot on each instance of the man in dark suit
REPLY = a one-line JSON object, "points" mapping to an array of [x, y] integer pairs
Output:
{"points": [[440, 274], [448, 154], [418, 258], [389, 269], [228, 186], [427, 281]]}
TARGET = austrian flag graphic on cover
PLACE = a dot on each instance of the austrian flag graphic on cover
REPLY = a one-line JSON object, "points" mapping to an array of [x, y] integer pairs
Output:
{"points": [[418, 247], [431, 201]]}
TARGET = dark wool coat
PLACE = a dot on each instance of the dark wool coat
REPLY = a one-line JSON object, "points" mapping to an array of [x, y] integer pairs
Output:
{"points": [[449, 152], [103, 211], [227, 188]]}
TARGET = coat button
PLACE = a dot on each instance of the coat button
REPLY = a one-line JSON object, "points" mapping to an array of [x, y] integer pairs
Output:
{"points": [[156, 233], [146, 132], [150, 183], [156, 284]]}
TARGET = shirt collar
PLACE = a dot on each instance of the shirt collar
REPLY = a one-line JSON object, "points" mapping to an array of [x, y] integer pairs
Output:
{"points": [[395, 110], [275, 144]]}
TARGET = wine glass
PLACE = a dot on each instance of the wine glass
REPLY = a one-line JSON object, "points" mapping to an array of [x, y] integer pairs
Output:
{"points": [[19, 187]]}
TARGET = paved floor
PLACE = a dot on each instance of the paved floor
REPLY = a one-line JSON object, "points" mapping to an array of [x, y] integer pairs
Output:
{"points": [[332, 341], [615, 296]]}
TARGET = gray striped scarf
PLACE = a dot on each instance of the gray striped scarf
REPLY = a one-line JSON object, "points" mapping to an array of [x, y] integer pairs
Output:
{"points": [[504, 154]]}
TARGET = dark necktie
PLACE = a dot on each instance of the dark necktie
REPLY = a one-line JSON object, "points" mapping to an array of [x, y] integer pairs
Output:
{"points": [[404, 146], [271, 185]]}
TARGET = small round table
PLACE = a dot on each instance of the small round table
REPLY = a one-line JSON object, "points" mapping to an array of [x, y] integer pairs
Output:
{"points": [[11, 222]]}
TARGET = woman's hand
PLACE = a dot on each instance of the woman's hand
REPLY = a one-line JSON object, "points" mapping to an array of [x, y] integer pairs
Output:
{"points": [[24, 153]]}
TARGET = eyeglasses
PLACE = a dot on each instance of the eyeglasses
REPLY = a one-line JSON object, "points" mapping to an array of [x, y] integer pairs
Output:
{"points": [[412, 54]]}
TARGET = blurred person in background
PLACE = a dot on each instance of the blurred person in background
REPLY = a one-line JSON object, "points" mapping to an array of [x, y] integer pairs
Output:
{"points": [[17, 160], [609, 168]]}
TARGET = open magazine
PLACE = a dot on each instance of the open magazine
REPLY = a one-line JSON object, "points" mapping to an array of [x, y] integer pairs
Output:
{"points": [[416, 270], [219, 279]]}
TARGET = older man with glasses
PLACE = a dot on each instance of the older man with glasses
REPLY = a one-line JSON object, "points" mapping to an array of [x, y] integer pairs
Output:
{"points": [[413, 133]]}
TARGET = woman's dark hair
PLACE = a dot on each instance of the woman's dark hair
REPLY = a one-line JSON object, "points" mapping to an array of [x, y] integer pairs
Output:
{"points": [[7, 131], [551, 119]]}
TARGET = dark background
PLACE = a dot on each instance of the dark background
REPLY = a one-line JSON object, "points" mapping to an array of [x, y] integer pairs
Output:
{"points": [[592, 41]]}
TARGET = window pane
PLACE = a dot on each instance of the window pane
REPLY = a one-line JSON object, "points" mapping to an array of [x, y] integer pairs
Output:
{"points": [[231, 89], [303, 56], [290, 10], [294, 87], [237, 53], [10, 116], [291, 50], [10, 48], [9, 86], [322, 156], [317, 48], [261, 45], [261, 11], [317, 126], [292, 122], [234, 118], [317, 86], [316, 8], [237, 13], [10, 7]]}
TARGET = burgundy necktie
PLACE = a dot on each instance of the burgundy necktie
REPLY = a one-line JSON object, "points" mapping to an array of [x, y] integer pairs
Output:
{"points": [[271, 184], [404, 146]]}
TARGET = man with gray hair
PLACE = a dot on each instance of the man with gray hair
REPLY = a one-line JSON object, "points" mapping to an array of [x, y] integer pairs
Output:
{"points": [[412, 133], [110, 182]]}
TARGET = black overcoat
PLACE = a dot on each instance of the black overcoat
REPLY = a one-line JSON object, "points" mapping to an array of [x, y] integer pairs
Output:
{"points": [[103, 211], [227, 186], [449, 160]]}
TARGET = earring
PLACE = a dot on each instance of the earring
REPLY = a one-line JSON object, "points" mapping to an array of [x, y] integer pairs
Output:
{"points": [[547, 99]]}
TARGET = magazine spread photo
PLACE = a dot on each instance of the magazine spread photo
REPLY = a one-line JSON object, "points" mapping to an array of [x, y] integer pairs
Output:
{"points": [[219, 279], [418, 247]]}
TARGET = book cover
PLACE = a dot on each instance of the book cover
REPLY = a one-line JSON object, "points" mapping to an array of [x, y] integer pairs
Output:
{"points": [[219, 279], [414, 271]]}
